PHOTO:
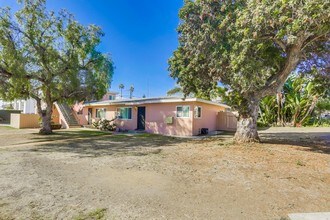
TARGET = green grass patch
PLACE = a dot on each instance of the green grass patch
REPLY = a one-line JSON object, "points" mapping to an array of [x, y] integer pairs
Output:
{"points": [[147, 135], [93, 132], [5, 127], [64, 134], [97, 214]]}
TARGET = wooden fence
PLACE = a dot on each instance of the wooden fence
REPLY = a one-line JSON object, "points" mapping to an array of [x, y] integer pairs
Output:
{"points": [[24, 121], [226, 121]]}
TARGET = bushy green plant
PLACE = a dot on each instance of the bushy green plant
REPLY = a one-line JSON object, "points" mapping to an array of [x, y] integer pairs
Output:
{"points": [[262, 124], [300, 103], [105, 125], [318, 122], [267, 111]]}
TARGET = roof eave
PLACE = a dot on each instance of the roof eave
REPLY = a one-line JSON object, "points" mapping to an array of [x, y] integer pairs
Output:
{"points": [[126, 102]]}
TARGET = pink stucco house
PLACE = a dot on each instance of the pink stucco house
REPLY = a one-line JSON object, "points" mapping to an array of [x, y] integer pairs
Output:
{"points": [[165, 115]]}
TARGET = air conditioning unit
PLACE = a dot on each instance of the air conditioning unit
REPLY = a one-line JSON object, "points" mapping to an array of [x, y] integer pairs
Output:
{"points": [[204, 131], [169, 120]]}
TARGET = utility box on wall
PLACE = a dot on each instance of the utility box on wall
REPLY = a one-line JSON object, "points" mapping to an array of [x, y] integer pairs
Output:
{"points": [[169, 120]]}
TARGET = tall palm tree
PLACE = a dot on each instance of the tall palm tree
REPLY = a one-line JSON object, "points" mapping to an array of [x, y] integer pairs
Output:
{"points": [[175, 91], [131, 90], [121, 87]]}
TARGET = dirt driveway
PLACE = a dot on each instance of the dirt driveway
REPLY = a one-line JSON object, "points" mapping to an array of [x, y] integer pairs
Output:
{"points": [[79, 174]]}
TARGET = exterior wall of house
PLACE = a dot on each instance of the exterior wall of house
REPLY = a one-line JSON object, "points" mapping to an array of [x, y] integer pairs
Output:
{"points": [[126, 124], [26, 106], [106, 96], [30, 106], [79, 109], [156, 115], [56, 117], [208, 119], [129, 124], [82, 118]]}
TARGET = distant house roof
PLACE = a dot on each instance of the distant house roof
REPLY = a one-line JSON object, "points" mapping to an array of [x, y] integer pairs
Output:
{"points": [[112, 92], [141, 101]]}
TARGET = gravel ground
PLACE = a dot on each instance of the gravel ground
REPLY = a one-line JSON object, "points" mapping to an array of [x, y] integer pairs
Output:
{"points": [[79, 174]]}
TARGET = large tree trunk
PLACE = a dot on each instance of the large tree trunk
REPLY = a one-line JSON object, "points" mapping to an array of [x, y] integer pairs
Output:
{"points": [[46, 127], [247, 124], [46, 117]]}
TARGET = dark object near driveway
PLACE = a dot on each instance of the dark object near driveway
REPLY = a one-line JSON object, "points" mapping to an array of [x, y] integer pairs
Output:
{"points": [[56, 126], [204, 131], [5, 115]]}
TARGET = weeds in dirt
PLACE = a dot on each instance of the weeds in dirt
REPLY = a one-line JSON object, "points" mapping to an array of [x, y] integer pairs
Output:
{"points": [[144, 153], [266, 175], [97, 214], [300, 163], [226, 143]]}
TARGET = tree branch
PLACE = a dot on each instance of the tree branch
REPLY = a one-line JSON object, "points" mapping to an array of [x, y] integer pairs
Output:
{"points": [[278, 80], [280, 43], [314, 38], [272, 37]]}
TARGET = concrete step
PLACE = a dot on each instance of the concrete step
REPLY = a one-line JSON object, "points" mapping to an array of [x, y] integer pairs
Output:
{"points": [[75, 126], [310, 216]]}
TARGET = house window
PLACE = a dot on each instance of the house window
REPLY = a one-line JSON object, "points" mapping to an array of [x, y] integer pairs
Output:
{"points": [[198, 112], [100, 112], [124, 113], [183, 111], [112, 97]]}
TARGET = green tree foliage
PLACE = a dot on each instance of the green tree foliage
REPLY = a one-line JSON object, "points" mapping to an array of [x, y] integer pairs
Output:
{"points": [[178, 91], [301, 97], [174, 91], [50, 57], [267, 111], [250, 46]]}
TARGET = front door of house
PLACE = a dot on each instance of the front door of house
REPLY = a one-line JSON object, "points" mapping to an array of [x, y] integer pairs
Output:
{"points": [[90, 111], [141, 116]]}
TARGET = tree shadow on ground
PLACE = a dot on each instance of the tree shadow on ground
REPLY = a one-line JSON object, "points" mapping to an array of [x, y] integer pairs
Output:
{"points": [[313, 141], [104, 145], [308, 141], [94, 143], [63, 135]]}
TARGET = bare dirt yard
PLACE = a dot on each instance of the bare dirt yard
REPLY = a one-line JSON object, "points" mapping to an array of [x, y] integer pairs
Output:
{"points": [[82, 174]]}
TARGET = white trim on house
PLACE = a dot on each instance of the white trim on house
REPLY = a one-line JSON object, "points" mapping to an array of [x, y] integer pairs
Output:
{"points": [[142, 101], [196, 117]]}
